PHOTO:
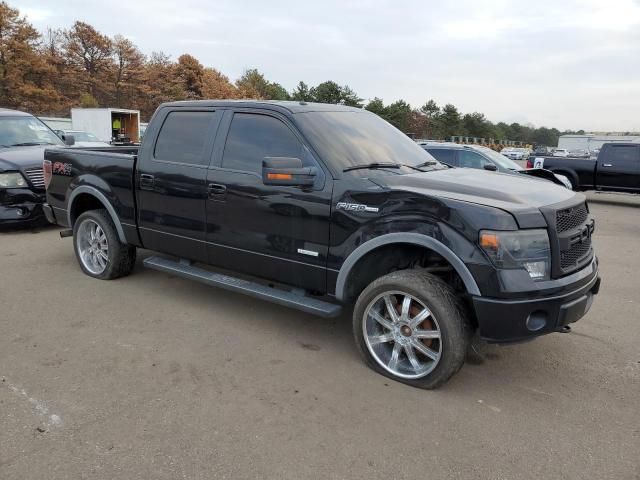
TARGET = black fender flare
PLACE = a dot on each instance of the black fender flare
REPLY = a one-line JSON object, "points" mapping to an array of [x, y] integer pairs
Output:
{"points": [[101, 197], [411, 238]]}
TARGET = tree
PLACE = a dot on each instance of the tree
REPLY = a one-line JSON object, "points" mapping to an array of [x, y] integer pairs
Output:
{"points": [[128, 72], [89, 52], [160, 84], [331, 92], [376, 106], [301, 93], [252, 84], [432, 113], [24, 81], [190, 73], [217, 85], [450, 121], [398, 114], [275, 91]]}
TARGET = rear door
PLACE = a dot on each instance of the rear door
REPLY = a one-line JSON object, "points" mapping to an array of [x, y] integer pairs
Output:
{"points": [[619, 167], [172, 181], [279, 233]]}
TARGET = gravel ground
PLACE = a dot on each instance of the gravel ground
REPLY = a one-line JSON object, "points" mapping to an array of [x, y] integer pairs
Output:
{"points": [[156, 377]]}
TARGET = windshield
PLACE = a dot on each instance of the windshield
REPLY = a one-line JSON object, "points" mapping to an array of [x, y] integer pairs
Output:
{"points": [[26, 131], [498, 158], [346, 139], [84, 137]]}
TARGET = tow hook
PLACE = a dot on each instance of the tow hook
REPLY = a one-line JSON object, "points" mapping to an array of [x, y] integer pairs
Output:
{"points": [[564, 329]]}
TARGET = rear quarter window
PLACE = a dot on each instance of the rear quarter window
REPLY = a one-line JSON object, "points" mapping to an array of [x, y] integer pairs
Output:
{"points": [[183, 137]]}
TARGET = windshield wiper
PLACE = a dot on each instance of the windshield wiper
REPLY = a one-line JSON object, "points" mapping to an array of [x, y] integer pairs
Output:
{"points": [[372, 165]]}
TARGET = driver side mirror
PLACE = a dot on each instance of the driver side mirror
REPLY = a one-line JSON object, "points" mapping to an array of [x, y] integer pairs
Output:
{"points": [[287, 171], [69, 140], [491, 167]]}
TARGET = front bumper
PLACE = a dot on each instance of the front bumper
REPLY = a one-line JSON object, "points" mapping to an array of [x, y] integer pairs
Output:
{"points": [[513, 320], [20, 206]]}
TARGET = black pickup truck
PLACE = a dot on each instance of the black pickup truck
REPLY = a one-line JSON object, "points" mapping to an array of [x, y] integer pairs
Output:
{"points": [[616, 169], [320, 207]]}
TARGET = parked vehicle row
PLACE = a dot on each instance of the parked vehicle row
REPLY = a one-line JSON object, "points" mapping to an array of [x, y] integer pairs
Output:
{"points": [[321, 206], [617, 168], [479, 157]]}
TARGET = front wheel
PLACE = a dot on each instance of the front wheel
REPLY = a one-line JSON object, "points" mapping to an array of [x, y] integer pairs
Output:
{"points": [[411, 327], [98, 248]]}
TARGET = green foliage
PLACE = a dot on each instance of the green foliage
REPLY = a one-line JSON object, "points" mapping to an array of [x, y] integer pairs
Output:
{"points": [[88, 101]]}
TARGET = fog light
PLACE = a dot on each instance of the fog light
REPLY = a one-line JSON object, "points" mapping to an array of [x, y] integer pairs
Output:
{"points": [[536, 269], [536, 321]]}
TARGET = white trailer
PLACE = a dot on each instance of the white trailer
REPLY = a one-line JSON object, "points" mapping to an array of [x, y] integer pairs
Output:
{"points": [[108, 124]]}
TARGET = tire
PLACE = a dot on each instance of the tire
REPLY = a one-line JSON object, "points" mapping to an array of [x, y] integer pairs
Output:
{"points": [[106, 258], [378, 339]]}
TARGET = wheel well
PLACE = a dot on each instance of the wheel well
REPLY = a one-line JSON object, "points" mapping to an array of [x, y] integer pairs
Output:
{"points": [[83, 203], [399, 256]]}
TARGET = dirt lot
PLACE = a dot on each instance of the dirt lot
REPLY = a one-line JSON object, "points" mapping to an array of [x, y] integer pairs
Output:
{"points": [[154, 377]]}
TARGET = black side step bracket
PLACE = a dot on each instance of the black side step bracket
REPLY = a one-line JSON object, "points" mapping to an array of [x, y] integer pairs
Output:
{"points": [[282, 297]]}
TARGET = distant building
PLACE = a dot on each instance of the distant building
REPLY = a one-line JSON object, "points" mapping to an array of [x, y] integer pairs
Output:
{"points": [[591, 141]]}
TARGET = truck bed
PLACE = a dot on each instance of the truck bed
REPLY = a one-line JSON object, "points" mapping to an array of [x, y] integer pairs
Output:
{"points": [[109, 170]]}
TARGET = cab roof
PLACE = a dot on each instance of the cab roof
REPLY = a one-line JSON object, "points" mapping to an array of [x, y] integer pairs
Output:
{"points": [[290, 106], [6, 112]]}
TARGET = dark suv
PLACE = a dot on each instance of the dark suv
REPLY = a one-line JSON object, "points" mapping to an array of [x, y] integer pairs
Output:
{"points": [[23, 139], [483, 158]]}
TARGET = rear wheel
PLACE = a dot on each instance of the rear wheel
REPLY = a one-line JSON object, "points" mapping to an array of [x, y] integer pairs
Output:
{"points": [[410, 327], [98, 248]]}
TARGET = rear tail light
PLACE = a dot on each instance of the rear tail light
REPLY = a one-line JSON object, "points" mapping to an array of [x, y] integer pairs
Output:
{"points": [[47, 172], [529, 163]]}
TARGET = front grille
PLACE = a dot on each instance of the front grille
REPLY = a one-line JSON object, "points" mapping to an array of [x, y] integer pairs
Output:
{"points": [[576, 254], [570, 218], [36, 177]]}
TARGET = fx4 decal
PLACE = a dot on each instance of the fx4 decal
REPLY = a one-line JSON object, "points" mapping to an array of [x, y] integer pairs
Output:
{"points": [[60, 168]]}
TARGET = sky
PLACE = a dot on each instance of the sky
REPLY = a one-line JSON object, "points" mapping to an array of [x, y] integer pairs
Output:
{"points": [[558, 63]]}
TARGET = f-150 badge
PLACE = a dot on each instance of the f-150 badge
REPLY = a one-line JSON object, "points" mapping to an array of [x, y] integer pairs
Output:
{"points": [[356, 207]]}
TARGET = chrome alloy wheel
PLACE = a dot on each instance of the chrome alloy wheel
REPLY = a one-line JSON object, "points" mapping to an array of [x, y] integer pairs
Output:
{"points": [[93, 247], [402, 335]]}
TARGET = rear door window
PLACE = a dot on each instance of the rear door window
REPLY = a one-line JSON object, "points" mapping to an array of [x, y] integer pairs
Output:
{"points": [[183, 137], [252, 137]]}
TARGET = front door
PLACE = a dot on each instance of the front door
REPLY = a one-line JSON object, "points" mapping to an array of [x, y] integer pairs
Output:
{"points": [[280, 233], [172, 183], [619, 167]]}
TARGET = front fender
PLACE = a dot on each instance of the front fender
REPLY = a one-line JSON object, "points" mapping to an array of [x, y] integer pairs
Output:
{"points": [[405, 238]]}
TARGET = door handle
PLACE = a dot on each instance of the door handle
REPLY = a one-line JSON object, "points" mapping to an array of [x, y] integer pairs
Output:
{"points": [[607, 165], [217, 190], [146, 181]]}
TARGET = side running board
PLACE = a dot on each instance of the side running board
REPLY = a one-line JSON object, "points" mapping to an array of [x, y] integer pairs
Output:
{"points": [[263, 292]]}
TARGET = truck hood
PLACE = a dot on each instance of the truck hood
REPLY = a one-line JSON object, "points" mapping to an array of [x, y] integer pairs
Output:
{"points": [[519, 195], [21, 158]]}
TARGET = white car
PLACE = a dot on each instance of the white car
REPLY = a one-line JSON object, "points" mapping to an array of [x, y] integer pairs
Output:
{"points": [[515, 153], [561, 152], [82, 139]]}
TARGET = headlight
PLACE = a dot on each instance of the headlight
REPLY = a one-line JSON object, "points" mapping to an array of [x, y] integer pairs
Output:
{"points": [[12, 180], [528, 249]]}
